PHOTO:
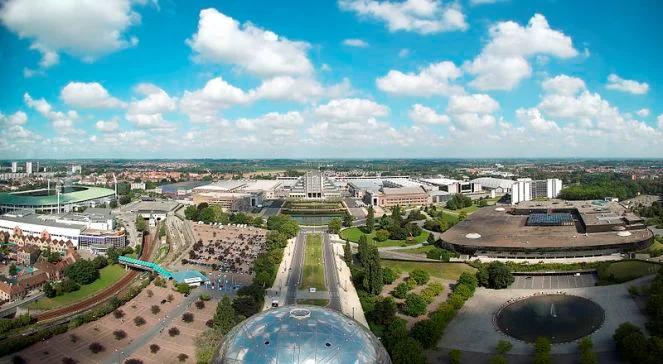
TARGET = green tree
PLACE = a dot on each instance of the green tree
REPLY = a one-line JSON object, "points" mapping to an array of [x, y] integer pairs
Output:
{"points": [[415, 305], [183, 288], [370, 218], [504, 347], [455, 355], [373, 279], [430, 240], [82, 272], [381, 235], [587, 356], [162, 230], [140, 224], [225, 317], [191, 213], [99, 261], [388, 275], [13, 269], [113, 203], [362, 249], [407, 351], [347, 219], [420, 276], [245, 305], [542, 351], [335, 225], [49, 291], [347, 253]]}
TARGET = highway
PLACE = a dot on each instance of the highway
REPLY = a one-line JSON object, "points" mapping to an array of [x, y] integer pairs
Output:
{"points": [[331, 274], [294, 276]]}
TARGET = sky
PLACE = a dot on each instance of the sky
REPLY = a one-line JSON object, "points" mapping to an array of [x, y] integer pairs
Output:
{"points": [[330, 79]]}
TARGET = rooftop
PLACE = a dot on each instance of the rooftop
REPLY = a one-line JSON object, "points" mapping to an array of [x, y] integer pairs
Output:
{"points": [[29, 198]]}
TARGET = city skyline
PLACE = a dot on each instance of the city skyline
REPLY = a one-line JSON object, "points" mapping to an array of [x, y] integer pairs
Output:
{"points": [[336, 79]]}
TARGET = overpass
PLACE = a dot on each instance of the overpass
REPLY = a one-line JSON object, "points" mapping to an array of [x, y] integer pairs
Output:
{"points": [[144, 265]]}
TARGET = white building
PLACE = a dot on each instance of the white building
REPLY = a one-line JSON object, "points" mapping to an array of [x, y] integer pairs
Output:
{"points": [[14, 167], [76, 169], [137, 185], [526, 189], [28, 167]]}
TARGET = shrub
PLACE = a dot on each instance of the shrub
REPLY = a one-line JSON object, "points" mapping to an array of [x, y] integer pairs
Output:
{"points": [[503, 347], [68, 360], [119, 334], [587, 356], [419, 276], [118, 314], [96, 348], [154, 348], [150, 293], [455, 354], [209, 323], [170, 298], [388, 275], [173, 331], [401, 290], [133, 361], [155, 309], [415, 305], [187, 317], [139, 321], [431, 291], [381, 235], [73, 338], [200, 305], [182, 357], [542, 351], [204, 297]]}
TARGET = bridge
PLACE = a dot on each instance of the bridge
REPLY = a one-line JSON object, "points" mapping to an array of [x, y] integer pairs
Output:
{"points": [[144, 265]]}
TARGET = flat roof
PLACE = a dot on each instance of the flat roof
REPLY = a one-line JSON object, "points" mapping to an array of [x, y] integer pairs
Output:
{"points": [[36, 220], [403, 191], [155, 206], [86, 193], [500, 229]]}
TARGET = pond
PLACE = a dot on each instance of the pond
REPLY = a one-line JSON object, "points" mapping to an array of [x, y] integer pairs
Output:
{"points": [[560, 318]]}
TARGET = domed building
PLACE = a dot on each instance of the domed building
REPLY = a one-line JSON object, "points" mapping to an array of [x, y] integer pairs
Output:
{"points": [[301, 334]]}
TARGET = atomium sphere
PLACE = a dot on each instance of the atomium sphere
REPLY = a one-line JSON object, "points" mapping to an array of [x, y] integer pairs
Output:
{"points": [[301, 335]]}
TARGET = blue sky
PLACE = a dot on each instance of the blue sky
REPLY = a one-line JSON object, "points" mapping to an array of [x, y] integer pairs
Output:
{"points": [[346, 78]]}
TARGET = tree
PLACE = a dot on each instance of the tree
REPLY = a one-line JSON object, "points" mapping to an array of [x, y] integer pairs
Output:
{"points": [[496, 275], [182, 357], [407, 351], [187, 317], [415, 305], [347, 253], [154, 348], [455, 355], [13, 269], [370, 218], [140, 224], [384, 311], [542, 351], [173, 331], [347, 219], [99, 261], [139, 321], [225, 317], [373, 278], [124, 199], [335, 225], [119, 334], [183, 288], [82, 272], [113, 203], [420, 276], [49, 291], [191, 213], [587, 356], [162, 230], [200, 304], [95, 348], [245, 305], [503, 347], [430, 239], [388, 275], [118, 314], [381, 235], [155, 309]]}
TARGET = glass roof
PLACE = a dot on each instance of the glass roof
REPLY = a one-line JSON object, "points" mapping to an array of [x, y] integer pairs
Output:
{"points": [[301, 334]]}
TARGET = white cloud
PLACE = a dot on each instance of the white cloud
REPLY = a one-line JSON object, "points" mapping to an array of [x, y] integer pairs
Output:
{"points": [[87, 95], [436, 79], [63, 123], [404, 53], [425, 115], [534, 120], [147, 113], [660, 121], [503, 63], [108, 126], [273, 124], [203, 105], [643, 113], [85, 29], [588, 109], [221, 39], [472, 112], [420, 16], [351, 110], [17, 118], [353, 42], [482, 2], [619, 84], [563, 85]]}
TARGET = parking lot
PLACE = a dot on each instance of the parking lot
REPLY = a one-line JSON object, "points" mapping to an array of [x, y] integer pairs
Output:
{"points": [[561, 281]]}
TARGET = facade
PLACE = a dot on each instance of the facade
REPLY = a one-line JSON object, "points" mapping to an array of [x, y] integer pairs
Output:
{"points": [[137, 185], [229, 201], [453, 186], [314, 186], [526, 189], [27, 254], [53, 200], [28, 167], [403, 196], [14, 167], [25, 283]]}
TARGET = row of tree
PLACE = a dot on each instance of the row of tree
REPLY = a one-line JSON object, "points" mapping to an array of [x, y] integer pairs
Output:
{"points": [[214, 214]]}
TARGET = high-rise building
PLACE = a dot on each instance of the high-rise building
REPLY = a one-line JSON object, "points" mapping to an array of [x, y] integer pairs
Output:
{"points": [[525, 189], [28, 167], [14, 167]]}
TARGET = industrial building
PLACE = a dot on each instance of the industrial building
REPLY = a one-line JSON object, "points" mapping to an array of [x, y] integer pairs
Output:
{"points": [[54, 200], [314, 186], [526, 189]]}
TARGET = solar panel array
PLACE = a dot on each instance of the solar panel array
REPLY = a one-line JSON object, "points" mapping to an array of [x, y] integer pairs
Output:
{"points": [[552, 219]]}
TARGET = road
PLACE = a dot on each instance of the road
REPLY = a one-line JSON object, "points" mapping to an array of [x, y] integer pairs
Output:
{"points": [[295, 269], [331, 274]]}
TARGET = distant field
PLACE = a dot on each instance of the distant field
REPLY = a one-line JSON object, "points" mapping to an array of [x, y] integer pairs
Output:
{"points": [[314, 269], [626, 270], [450, 271], [353, 234], [108, 276]]}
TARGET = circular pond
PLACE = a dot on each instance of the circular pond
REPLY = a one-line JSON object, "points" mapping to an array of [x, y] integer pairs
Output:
{"points": [[560, 318]]}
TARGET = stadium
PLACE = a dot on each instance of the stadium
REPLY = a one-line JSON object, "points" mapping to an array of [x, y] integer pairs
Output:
{"points": [[61, 199], [549, 229]]}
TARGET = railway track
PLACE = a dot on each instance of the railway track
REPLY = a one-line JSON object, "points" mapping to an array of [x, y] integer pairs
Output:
{"points": [[102, 296]]}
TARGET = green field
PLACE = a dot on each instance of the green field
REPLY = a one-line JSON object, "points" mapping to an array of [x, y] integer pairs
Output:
{"points": [[315, 302], [467, 210], [314, 268], [108, 276], [420, 250], [626, 270], [450, 271], [353, 234]]}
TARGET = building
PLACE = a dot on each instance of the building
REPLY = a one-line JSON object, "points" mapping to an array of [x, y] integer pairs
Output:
{"points": [[76, 169], [28, 167], [526, 189], [53, 200], [229, 201], [314, 186], [14, 167], [137, 185], [25, 283], [496, 186], [453, 186], [27, 254], [403, 196]]}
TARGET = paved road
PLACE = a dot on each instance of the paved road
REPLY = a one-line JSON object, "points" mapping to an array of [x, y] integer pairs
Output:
{"points": [[331, 274], [555, 281], [295, 269]]}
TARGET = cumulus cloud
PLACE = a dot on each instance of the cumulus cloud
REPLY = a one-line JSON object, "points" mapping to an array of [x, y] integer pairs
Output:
{"points": [[147, 112], [533, 119], [88, 95], [17, 118], [472, 112], [354, 42], [425, 115], [643, 113], [273, 124], [420, 16], [563, 85], [660, 121], [85, 29], [619, 84], [108, 126], [63, 123], [436, 79], [221, 39], [503, 62], [351, 110]]}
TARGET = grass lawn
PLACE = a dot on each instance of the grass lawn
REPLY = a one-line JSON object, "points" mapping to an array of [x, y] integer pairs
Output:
{"points": [[108, 276], [314, 302], [627, 270], [468, 210], [450, 271], [655, 249], [314, 268], [353, 234], [420, 250]]}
